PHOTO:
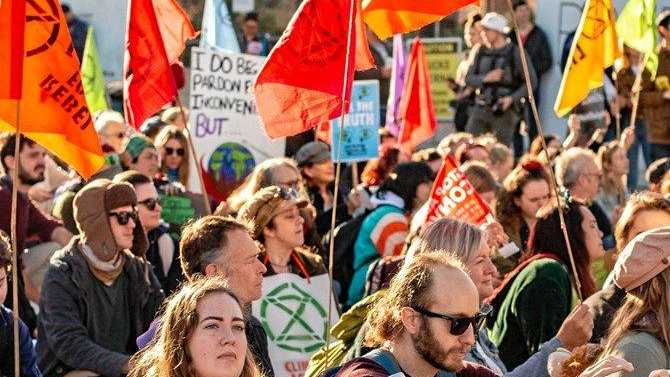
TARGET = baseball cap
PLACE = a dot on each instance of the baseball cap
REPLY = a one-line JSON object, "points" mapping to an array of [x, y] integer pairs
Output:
{"points": [[314, 152], [646, 256], [267, 203], [495, 21]]}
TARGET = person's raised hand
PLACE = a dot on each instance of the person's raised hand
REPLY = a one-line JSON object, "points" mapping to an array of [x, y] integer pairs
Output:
{"points": [[627, 137], [495, 234], [609, 365], [577, 328]]}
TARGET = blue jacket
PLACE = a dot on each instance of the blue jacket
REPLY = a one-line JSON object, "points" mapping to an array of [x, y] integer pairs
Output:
{"points": [[26, 350]]}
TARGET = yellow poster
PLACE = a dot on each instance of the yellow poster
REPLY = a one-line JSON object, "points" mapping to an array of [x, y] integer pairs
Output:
{"points": [[444, 55]]}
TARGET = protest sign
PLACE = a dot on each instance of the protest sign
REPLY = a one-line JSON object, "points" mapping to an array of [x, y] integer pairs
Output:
{"points": [[360, 139], [454, 196], [294, 314], [226, 129], [443, 55]]}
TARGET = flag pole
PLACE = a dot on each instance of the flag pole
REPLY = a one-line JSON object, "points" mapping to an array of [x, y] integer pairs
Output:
{"points": [[15, 247], [205, 197], [637, 88], [338, 170], [540, 129]]}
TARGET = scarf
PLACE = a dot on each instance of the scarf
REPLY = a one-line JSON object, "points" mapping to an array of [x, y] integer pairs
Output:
{"points": [[106, 272]]}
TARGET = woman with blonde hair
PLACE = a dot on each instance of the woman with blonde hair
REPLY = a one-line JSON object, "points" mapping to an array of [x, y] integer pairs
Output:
{"points": [[201, 335], [640, 331], [172, 145], [613, 162]]}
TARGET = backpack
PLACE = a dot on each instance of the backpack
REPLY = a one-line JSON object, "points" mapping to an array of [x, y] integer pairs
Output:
{"points": [[345, 236]]}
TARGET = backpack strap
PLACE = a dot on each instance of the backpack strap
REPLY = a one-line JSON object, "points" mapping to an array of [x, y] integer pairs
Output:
{"points": [[385, 359]]}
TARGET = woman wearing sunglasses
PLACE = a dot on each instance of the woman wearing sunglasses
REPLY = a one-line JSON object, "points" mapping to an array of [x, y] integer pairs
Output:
{"points": [[163, 252], [274, 216], [174, 153]]}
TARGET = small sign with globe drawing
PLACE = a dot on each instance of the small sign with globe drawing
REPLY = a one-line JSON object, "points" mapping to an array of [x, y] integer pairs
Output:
{"points": [[294, 314], [225, 126]]}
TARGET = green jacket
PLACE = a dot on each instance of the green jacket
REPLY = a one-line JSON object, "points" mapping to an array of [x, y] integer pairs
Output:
{"points": [[530, 310]]}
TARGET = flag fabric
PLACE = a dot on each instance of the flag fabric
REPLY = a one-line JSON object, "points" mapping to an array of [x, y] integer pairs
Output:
{"points": [[389, 17], [301, 83], [12, 25], [453, 196], [594, 48], [155, 38], [91, 75], [636, 26], [417, 112], [393, 121], [217, 27], [51, 102]]}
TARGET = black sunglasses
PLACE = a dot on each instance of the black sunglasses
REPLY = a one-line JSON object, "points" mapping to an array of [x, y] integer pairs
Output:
{"points": [[150, 203], [123, 217], [459, 325], [177, 151]]}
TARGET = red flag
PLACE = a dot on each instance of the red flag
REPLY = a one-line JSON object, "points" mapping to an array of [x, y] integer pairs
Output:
{"points": [[12, 26], [416, 112], [454, 196], [301, 83], [152, 45]]}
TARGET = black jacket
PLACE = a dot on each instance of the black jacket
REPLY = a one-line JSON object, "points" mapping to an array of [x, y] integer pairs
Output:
{"points": [[537, 47], [68, 324]]}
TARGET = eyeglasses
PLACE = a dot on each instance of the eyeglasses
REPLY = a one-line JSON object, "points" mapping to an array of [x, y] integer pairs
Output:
{"points": [[459, 325], [150, 203], [178, 151], [123, 217]]}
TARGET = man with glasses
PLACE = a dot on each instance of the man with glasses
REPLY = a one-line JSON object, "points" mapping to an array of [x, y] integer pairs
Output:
{"points": [[578, 174], [163, 252], [100, 293], [425, 324], [274, 216]]}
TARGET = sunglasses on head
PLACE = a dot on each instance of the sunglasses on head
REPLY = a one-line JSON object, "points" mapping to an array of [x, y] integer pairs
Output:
{"points": [[289, 193], [150, 203], [459, 324], [123, 217], [177, 151]]}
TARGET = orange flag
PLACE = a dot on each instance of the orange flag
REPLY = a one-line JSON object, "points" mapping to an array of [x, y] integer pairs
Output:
{"points": [[301, 83], [417, 112], [388, 17], [46, 78]]}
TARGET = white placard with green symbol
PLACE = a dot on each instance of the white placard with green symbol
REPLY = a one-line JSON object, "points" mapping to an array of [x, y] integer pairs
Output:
{"points": [[294, 314]]}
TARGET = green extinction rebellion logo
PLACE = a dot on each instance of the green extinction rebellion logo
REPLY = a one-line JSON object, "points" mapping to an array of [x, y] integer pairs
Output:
{"points": [[293, 319]]}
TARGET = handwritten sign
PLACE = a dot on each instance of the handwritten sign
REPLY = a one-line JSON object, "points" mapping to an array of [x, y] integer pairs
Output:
{"points": [[226, 128], [360, 138]]}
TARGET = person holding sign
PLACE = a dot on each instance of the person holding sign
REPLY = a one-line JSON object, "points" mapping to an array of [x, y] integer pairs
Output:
{"points": [[274, 216], [202, 335]]}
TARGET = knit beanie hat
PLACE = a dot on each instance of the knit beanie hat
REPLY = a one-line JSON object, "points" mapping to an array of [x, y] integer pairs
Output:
{"points": [[91, 207], [136, 144]]}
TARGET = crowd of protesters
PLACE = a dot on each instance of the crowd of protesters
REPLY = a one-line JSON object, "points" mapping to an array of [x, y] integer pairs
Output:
{"points": [[109, 284]]}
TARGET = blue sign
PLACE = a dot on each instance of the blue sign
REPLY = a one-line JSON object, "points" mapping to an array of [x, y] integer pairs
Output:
{"points": [[360, 138]]}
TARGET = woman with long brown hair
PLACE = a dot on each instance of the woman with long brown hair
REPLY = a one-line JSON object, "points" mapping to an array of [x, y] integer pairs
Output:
{"points": [[640, 331], [201, 335], [537, 296], [525, 190], [172, 145]]}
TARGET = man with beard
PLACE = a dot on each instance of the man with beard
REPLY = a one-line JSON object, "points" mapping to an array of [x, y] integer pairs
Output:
{"points": [[32, 227], [424, 325]]}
